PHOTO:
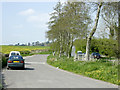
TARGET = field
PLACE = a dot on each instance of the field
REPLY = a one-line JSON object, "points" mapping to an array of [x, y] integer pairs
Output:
{"points": [[6, 49]]}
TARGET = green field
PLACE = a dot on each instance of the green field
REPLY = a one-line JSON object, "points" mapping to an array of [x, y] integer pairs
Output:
{"points": [[6, 49]]}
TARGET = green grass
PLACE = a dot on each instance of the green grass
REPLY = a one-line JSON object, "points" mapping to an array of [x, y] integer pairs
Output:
{"points": [[107, 58], [98, 70]]}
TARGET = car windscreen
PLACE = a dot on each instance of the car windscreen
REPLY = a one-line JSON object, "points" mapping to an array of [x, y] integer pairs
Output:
{"points": [[16, 57], [18, 54], [79, 52], [12, 53]]}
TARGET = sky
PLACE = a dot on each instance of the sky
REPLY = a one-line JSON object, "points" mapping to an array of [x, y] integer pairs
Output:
{"points": [[24, 22]]}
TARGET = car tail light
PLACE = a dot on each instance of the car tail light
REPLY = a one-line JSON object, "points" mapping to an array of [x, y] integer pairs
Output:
{"points": [[22, 61], [9, 61]]}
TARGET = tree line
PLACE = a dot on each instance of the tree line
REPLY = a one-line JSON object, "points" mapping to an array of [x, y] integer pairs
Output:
{"points": [[72, 20]]}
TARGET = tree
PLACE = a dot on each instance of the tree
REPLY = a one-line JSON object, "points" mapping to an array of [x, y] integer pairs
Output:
{"points": [[68, 23], [93, 31], [110, 16], [79, 20]]}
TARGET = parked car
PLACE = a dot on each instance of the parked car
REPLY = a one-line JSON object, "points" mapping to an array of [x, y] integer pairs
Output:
{"points": [[15, 61], [14, 53], [96, 55], [79, 52]]}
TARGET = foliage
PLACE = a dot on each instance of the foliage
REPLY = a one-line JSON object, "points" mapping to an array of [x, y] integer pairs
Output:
{"points": [[110, 16], [80, 45], [104, 46], [4, 61], [67, 22], [24, 52], [98, 70]]}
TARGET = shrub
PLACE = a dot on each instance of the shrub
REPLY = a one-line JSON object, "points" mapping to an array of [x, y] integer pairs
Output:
{"points": [[3, 60], [104, 46], [25, 52]]}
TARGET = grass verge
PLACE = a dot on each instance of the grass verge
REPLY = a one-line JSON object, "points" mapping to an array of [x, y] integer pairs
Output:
{"points": [[105, 71]]}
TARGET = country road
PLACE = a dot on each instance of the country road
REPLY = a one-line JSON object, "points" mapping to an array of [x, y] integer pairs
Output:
{"points": [[38, 74]]}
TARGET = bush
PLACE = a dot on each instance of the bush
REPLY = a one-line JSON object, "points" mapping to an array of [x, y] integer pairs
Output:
{"points": [[4, 60], [104, 46], [25, 52]]}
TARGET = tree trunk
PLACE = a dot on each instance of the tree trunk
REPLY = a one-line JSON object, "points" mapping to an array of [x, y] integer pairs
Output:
{"points": [[118, 37], [60, 45], [70, 46], [70, 50], [92, 32]]}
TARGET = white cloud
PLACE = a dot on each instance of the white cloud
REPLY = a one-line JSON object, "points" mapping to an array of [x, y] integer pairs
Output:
{"points": [[42, 17], [27, 12], [38, 20]]}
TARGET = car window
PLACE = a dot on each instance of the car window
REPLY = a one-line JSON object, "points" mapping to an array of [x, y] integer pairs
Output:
{"points": [[17, 53], [12, 53], [16, 57], [79, 52]]}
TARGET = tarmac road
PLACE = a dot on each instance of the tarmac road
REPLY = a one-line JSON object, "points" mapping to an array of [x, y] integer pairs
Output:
{"points": [[38, 74]]}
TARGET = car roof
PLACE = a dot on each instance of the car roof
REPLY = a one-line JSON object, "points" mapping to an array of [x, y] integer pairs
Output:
{"points": [[79, 51], [14, 52]]}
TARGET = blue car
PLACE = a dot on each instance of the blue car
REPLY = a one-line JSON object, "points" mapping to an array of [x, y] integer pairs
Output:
{"points": [[15, 61], [96, 55]]}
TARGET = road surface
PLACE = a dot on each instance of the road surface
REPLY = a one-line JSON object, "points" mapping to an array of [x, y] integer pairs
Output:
{"points": [[38, 74]]}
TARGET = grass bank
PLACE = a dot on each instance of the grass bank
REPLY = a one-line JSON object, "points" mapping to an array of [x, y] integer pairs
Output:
{"points": [[100, 70]]}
